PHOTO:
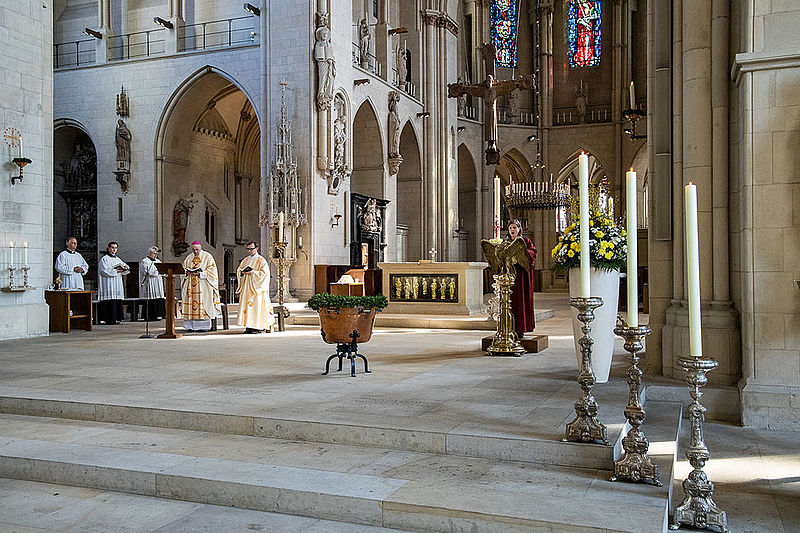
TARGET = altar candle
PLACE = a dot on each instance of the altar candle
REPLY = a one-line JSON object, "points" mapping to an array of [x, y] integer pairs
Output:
{"points": [[11, 253], [299, 242], [693, 269], [633, 255], [632, 92], [583, 180], [25, 254], [280, 226], [496, 208]]}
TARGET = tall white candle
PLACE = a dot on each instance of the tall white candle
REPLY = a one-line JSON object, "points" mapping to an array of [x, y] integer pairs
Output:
{"points": [[583, 181], [25, 254], [496, 225], [633, 254], [280, 226], [632, 92], [693, 269], [11, 253]]}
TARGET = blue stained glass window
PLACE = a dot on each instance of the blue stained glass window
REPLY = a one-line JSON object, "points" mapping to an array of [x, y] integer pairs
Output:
{"points": [[503, 32], [583, 32]]}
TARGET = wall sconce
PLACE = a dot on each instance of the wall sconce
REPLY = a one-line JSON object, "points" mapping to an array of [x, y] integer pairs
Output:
{"points": [[424, 114], [360, 81], [253, 10], [531, 138], [163, 23], [21, 162], [461, 128], [93, 33], [335, 220], [401, 29], [633, 116]]}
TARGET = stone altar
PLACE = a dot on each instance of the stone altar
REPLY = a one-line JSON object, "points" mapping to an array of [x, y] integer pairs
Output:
{"points": [[434, 288]]}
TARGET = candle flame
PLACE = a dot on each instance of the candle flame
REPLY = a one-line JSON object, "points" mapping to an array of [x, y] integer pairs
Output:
{"points": [[11, 244], [631, 169], [690, 183], [631, 83]]}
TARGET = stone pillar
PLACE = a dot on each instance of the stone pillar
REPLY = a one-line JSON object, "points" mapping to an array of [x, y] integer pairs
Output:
{"points": [[176, 34], [430, 145], [104, 23], [383, 43]]}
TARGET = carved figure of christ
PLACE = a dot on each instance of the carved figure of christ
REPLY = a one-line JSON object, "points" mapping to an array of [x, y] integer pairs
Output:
{"points": [[490, 89]]}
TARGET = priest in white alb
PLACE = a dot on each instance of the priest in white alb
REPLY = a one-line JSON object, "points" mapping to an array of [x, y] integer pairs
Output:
{"points": [[71, 266], [151, 286], [200, 290], [110, 290], [255, 308]]}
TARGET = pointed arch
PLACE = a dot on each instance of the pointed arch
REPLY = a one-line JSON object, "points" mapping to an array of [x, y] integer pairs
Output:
{"points": [[569, 168], [468, 196], [369, 170], [409, 196]]}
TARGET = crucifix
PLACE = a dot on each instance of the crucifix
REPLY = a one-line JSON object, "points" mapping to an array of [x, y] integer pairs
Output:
{"points": [[432, 253], [489, 90]]}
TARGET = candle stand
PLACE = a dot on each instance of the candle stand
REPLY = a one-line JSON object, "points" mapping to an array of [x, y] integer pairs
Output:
{"points": [[283, 263], [505, 341], [634, 464], [585, 427], [698, 509]]}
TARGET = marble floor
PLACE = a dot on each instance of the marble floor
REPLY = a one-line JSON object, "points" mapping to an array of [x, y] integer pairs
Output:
{"points": [[428, 382]]}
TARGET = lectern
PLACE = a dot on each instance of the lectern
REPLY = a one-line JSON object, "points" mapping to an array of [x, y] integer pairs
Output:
{"points": [[170, 269]]}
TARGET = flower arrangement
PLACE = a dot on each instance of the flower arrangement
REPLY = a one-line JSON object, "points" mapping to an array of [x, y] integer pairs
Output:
{"points": [[330, 301], [608, 249]]}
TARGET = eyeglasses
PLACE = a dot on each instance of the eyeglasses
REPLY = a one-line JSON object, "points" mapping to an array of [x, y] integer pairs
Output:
{"points": [[249, 248]]}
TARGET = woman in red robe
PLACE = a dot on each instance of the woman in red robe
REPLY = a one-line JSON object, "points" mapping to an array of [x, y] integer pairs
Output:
{"points": [[522, 294]]}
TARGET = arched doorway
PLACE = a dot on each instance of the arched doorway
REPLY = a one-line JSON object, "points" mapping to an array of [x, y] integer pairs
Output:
{"points": [[75, 193], [368, 153], [409, 198], [210, 175], [468, 206]]}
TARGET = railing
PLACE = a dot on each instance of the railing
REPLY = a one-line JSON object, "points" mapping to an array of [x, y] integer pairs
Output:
{"points": [[370, 62], [407, 87], [219, 33], [468, 112], [137, 44], [594, 115], [74, 53], [523, 116]]}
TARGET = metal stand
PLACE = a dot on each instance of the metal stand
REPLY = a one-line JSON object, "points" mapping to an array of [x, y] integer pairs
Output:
{"points": [[585, 427], [698, 509], [634, 464], [283, 263], [349, 350], [505, 341], [146, 320]]}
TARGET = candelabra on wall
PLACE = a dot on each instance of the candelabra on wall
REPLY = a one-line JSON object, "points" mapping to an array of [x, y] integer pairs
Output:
{"points": [[287, 203]]}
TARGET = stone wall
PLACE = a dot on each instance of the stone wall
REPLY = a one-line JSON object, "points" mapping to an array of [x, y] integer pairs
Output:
{"points": [[26, 96]]}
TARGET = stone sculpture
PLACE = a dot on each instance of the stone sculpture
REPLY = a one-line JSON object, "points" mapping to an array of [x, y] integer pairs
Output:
{"points": [[326, 65], [180, 220], [402, 71], [364, 39], [122, 140]]}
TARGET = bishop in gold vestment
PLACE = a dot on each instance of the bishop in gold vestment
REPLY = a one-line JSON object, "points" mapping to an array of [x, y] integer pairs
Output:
{"points": [[255, 308], [200, 290]]}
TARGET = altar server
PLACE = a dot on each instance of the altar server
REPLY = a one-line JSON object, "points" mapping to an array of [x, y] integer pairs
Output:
{"points": [[71, 266], [200, 290], [255, 308], [522, 293], [110, 290], [151, 286]]}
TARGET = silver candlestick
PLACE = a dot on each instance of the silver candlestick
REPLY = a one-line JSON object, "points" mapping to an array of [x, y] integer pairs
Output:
{"points": [[585, 427], [11, 270], [634, 464], [698, 509], [25, 271]]}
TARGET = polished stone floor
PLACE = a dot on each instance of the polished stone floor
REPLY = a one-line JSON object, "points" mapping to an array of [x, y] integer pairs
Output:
{"points": [[433, 384]]}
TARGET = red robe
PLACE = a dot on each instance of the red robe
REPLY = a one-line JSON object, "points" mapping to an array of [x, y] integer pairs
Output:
{"points": [[522, 294]]}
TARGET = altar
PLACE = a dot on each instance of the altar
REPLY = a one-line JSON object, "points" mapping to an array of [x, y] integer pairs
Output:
{"points": [[434, 288]]}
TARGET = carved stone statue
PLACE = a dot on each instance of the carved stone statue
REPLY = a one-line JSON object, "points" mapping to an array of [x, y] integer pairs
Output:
{"points": [[513, 104], [81, 169], [394, 125], [364, 39], [402, 71], [326, 66], [370, 217], [341, 170], [180, 219], [581, 101], [461, 101], [122, 139]]}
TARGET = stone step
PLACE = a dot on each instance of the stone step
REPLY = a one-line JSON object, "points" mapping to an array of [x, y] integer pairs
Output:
{"points": [[387, 320], [536, 442], [372, 486]]}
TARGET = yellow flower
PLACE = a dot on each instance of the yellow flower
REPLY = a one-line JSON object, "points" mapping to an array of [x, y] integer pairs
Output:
{"points": [[609, 254], [611, 245], [600, 234], [571, 253]]}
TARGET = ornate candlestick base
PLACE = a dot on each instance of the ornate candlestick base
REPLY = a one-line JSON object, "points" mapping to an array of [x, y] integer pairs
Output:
{"points": [[25, 271], [585, 427], [698, 509], [634, 464], [505, 341], [11, 270], [283, 263]]}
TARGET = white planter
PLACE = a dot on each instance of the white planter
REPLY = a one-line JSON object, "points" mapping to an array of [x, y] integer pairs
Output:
{"points": [[605, 285]]}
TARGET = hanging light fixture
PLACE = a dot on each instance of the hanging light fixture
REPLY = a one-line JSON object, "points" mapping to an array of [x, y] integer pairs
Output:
{"points": [[539, 190]]}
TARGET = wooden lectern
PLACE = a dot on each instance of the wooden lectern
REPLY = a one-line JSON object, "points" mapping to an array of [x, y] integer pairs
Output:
{"points": [[170, 269]]}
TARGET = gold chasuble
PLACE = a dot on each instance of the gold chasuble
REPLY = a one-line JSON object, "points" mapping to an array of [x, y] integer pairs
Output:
{"points": [[200, 290], [255, 308]]}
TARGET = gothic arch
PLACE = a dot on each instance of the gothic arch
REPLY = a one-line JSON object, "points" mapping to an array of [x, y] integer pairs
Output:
{"points": [[409, 196], [469, 219], [369, 170], [569, 167]]}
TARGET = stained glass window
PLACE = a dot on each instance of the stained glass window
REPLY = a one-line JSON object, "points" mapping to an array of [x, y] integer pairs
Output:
{"points": [[583, 32], [503, 32]]}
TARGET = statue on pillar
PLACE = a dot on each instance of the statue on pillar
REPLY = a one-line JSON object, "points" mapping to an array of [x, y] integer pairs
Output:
{"points": [[122, 140], [581, 100], [402, 70], [363, 42], [326, 65], [394, 134]]}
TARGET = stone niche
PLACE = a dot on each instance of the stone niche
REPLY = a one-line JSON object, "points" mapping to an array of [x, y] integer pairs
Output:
{"points": [[368, 230]]}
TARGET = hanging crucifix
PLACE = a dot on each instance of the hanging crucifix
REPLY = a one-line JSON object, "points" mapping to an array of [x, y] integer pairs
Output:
{"points": [[489, 90]]}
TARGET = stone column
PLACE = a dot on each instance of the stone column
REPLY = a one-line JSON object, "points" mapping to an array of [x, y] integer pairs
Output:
{"points": [[430, 145], [176, 34], [104, 23], [383, 43]]}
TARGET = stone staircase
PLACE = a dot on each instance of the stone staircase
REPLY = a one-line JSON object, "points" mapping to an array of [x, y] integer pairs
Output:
{"points": [[375, 472]]}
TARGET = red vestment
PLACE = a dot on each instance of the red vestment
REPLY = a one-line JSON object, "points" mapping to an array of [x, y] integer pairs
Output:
{"points": [[522, 294]]}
